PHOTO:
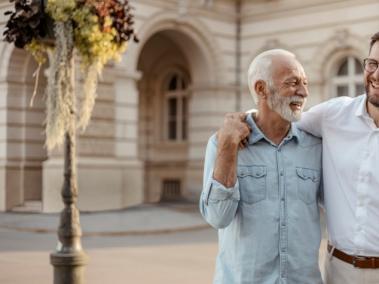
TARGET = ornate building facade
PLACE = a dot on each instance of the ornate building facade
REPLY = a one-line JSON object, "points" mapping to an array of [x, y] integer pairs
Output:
{"points": [[159, 105]]}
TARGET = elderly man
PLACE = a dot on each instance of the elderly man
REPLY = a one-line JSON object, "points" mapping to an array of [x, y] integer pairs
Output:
{"points": [[349, 128], [264, 198]]}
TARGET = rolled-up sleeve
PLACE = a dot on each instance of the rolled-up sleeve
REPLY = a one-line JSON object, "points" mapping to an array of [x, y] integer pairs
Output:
{"points": [[218, 204]]}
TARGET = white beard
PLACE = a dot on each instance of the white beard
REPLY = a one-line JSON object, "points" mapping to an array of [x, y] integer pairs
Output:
{"points": [[281, 105]]}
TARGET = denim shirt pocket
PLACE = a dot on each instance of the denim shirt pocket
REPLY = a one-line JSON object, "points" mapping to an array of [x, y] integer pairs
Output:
{"points": [[308, 181], [252, 183]]}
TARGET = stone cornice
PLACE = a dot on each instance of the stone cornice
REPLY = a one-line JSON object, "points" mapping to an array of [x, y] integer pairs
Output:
{"points": [[115, 72], [260, 11], [219, 10], [206, 87]]}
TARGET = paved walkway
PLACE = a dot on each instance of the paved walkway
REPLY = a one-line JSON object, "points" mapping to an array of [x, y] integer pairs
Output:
{"points": [[140, 220], [160, 244]]}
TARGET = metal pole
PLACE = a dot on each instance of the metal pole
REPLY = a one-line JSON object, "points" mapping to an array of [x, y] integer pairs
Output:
{"points": [[69, 258]]}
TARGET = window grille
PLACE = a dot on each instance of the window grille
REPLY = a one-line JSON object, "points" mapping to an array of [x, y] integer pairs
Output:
{"points": [[171, 190], [176, 107], [348, 78]]}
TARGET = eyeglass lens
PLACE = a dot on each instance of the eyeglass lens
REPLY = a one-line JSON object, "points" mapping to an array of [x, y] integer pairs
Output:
{"points": [[370, 65]]}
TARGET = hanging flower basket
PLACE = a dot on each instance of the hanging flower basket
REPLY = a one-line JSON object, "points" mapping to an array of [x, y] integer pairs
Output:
{"points": [[98, 30]]}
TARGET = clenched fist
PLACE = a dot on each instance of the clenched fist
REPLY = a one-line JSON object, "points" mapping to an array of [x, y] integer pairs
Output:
{"points": [[233, 134], [235, 130]]}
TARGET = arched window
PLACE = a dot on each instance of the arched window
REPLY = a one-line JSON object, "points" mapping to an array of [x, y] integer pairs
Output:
{"points": [[176, 107], [348, 80]]}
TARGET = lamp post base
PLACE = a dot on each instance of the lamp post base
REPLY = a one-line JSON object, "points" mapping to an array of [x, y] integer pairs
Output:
{"points": [[68, 267]]}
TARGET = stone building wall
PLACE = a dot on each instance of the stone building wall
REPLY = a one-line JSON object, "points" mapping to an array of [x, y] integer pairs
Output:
{"points": [[125, 156]]}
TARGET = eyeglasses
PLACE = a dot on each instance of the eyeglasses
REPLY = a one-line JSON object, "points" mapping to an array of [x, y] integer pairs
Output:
{"points": [[370, 65]]}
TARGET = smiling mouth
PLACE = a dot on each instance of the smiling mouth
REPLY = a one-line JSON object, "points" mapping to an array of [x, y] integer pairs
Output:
{"points": [[296, 105]]}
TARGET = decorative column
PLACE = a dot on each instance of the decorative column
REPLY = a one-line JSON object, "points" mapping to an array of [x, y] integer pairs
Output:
{"points": [[126, 135]]}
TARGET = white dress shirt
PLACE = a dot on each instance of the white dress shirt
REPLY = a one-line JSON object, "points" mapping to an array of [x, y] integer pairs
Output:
{"points": [[351, 172]]}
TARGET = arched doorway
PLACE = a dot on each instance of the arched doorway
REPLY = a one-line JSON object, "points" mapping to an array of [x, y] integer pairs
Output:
{"points": [[191, 47], [163, 117]]}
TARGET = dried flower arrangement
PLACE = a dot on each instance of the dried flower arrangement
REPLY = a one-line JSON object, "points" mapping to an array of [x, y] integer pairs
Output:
{"points": [[98, 30]]}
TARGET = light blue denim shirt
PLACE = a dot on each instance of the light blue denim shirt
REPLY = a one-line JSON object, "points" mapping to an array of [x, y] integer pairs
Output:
{"points": [[269, 222]]}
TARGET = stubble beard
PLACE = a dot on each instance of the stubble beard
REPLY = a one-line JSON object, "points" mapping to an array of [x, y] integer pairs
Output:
{"points": [[371, 98]]}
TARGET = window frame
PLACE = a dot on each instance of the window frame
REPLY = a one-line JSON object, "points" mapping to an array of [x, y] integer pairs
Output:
{"points": [[351, 80], [181, 115]]}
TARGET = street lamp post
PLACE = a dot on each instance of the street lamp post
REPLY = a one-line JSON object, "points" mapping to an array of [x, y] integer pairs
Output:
{"points": [[69, 258], [103, 29]]}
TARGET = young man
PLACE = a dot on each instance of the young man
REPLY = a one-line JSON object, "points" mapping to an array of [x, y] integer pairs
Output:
{"points": [[264, 198], [349, 128]]}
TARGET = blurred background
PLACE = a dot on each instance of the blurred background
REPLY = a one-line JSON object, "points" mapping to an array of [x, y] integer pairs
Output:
{"points": [[140, 160]]}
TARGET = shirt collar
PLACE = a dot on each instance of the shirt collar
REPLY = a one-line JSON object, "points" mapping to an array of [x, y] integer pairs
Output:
{"points": [[294, 132], [362, 107], [257, 135]]}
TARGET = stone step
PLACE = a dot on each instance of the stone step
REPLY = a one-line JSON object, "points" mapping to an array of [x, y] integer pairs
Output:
{"points": [[29, 206]]}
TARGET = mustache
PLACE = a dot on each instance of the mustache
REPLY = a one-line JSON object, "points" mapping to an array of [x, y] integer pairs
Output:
{"points": [[296, 99]]}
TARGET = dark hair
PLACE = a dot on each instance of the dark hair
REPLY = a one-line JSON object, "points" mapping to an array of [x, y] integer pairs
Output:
{"points": [[374, 39]]}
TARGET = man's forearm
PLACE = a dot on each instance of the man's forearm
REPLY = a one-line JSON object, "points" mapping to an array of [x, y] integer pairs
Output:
{"points": [[225, 165]]}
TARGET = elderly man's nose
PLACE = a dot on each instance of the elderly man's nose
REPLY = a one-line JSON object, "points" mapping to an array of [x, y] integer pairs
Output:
{"points": [[302, 90]]}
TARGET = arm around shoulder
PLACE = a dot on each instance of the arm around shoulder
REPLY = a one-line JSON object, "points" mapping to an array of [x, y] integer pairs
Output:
{"points": [[312, 120]]}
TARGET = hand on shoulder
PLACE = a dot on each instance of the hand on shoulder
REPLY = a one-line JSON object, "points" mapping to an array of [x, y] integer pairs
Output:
{"points": [[235, 130]]}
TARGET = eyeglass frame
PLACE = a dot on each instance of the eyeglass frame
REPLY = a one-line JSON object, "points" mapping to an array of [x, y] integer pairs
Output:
{"points": [[372, 61]]}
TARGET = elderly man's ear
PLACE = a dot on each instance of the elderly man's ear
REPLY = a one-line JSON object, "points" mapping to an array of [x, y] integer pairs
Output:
{"points": [[260, 88]]}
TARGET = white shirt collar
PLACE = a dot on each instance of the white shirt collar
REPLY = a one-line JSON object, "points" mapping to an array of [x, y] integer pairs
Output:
{"points": [[362, 107]]}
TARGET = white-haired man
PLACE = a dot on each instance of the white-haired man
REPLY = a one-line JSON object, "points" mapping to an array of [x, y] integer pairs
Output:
{"points": [[264, 198]]}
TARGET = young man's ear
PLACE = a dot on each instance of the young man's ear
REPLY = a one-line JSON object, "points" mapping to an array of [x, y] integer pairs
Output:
{"points": [[260, 88]]}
